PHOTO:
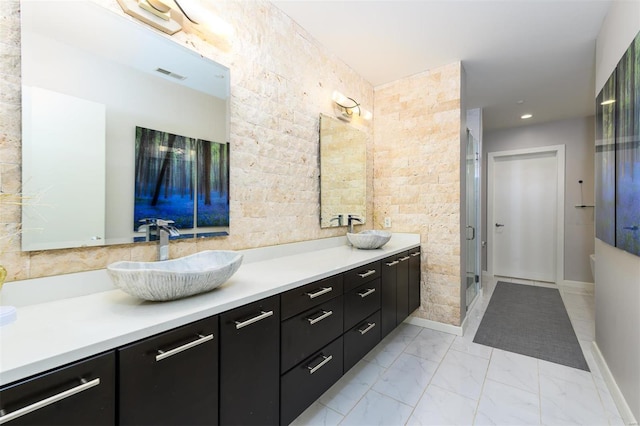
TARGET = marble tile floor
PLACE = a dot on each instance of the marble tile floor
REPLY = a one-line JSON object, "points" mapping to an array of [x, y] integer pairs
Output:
{"points": [[418, 376]]}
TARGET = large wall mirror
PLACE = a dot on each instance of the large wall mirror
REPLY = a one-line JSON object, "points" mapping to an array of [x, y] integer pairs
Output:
{"points": [[100, 93], [343, 172]]}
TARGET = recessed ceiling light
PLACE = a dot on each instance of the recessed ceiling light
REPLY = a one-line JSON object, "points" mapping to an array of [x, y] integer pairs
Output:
{"points": [[608, 102], [520, 102], [525, 116]]}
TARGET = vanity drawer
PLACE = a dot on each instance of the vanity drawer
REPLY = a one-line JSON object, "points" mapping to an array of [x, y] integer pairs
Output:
{"points": [[307, 332], [363, 274], [306, 297], [308, 380], [82, 393], [361, 339], [361, 302]]}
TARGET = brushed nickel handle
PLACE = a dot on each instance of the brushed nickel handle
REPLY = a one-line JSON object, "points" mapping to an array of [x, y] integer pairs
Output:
{"points": [[323, 315], [51, 400], [370, 325], [367, 292], [323, 290], [325, 359], [368, 273], [395, 262], [402, 259], [415, 254], [263, 315], [162, 354]]}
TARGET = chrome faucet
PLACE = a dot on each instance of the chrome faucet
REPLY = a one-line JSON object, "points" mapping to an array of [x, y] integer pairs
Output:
{"points": [[162, 229], [350, 219]]}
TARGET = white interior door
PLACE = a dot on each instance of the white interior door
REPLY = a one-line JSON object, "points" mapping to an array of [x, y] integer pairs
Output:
{"points": [[524, 220]]}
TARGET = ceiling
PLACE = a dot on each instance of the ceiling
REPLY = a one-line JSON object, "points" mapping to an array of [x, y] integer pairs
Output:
{"points": [[541, 52]]}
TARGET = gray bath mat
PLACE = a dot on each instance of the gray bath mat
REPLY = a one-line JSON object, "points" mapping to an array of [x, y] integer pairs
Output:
{"points": [[530, 321]]}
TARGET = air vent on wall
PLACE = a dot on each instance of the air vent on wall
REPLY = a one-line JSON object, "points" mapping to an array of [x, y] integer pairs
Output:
{"points": [[171, 74]]}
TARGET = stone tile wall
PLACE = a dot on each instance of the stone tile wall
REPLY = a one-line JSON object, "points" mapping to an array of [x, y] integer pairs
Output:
{"points": [[417, 178], [281, 80]]}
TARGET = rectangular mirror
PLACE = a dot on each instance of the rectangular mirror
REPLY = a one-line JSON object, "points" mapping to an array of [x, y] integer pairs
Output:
{"points": [[90, 78], [343, 172]]}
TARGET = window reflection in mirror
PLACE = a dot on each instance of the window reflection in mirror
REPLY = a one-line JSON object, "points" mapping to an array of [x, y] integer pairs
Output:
{"points": [[89, 78], [343, 172]]}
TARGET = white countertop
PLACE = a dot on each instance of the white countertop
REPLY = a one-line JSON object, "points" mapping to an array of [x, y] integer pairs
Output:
{"points": [[89, 315]]}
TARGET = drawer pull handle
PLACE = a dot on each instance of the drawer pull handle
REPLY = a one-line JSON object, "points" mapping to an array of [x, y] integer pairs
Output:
{"points": [[263, 315], [402, 259], [415, 254], [367, 292], [51, 400], [370, 325], [322, 316], [162, 354], [368, 273], [323, 290], [395, 262], [325, 359]]}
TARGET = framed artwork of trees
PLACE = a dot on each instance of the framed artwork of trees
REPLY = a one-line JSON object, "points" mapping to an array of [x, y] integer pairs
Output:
{"points": [[617, 164], [181, 179]]}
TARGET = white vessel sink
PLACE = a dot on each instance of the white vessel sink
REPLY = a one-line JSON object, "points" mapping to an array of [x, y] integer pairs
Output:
{"points": [[176, 278], [369, 240]]}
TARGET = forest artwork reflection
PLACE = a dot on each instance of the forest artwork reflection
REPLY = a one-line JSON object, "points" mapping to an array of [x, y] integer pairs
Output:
{"points": [[172, 171]]}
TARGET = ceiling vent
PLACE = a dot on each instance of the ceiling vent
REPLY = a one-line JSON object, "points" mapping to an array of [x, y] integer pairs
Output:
{"points": [[171, 74]]}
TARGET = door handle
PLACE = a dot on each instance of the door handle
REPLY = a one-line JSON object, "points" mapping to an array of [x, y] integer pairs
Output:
{"points": [[498, 225]]}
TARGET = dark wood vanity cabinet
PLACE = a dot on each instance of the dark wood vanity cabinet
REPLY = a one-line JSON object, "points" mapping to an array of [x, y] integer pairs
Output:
{"points": [[172, 378], [311, 344], [388, 290], [250, 364], [402, 288], [414, 279], [263, 363], [82, 393]]}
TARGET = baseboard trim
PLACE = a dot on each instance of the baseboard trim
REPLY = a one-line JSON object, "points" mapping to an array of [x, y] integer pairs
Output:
{"points": [[581, 286], [627, 416], [435, 325]]}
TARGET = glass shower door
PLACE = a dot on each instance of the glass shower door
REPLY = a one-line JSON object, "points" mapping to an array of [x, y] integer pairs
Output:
{"points": [[473, 210]]}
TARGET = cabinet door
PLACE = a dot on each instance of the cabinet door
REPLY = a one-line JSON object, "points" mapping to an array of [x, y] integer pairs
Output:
{"points": [[171, 378], [361, 302], [402, 290], [82, 393], [250, 364], [414, 280], [388, 291], [360, 340], [309, 331], [309, 379]]}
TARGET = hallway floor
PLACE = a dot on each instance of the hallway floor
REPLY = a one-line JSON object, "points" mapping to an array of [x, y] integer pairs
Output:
{"points": [[418, 376]]}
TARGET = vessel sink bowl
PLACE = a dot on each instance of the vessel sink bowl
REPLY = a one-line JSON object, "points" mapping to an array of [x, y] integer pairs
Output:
{"points": [[176, 278], [369, 240]]}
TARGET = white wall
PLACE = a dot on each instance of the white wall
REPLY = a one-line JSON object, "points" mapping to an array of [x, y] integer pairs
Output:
{"points": [[578, 136], [617, 272]]}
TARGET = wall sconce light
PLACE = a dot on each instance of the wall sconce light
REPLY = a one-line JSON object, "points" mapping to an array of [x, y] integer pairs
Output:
{"points": [[161, 15], [350, 107]]}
